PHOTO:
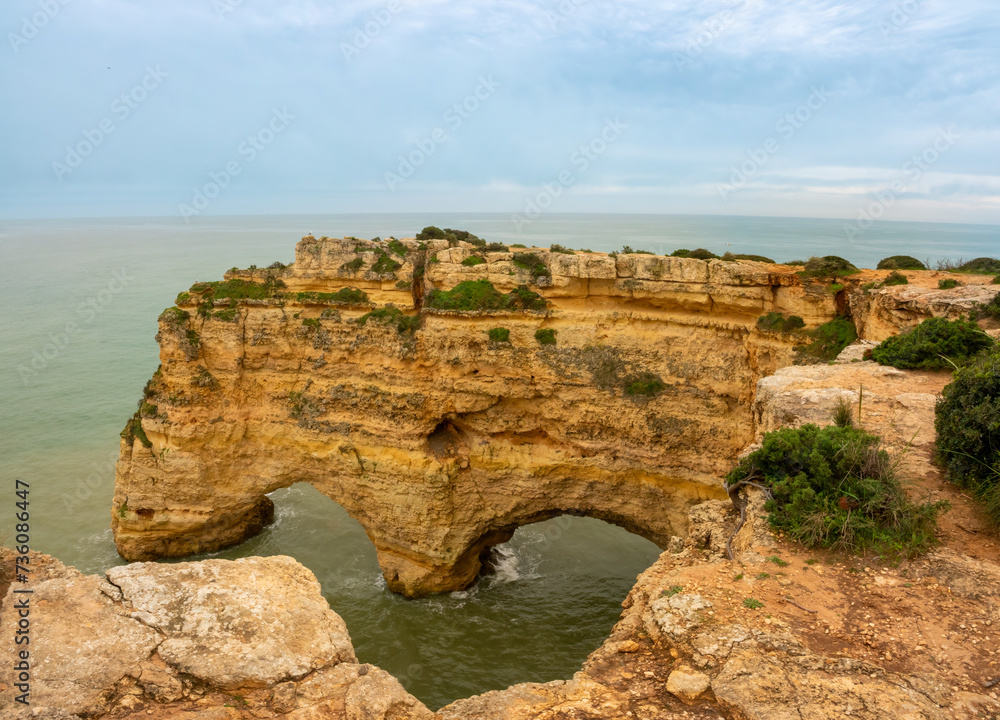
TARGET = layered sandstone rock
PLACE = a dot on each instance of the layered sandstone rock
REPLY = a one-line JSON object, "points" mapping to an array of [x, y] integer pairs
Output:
{"points": [[213, 639], [438, 440]]}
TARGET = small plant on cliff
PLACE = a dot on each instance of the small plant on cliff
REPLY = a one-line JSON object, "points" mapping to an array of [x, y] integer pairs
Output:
{"points": [[403, 284], [743, 256], [752, 604], [948, 284], [183, 298], [836, 487], [203, 378], [901, 262], [843, 413], [474, 260], [347, 296], [392, 315], [557, 248], [533, 264], [967, 420], [399, 248], [312, 323], [989, 309], [496, 247], [352, 266], [384, 264], [934, 344], [697, 254], [175, 315], [133, 431], [545, 336], [499, 335], [228, 315], [895, 278], [646, 385], [828, 340], [776, 322], [828, 266], [481, 295]]}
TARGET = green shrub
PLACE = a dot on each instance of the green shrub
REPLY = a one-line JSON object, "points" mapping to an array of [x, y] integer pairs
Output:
{"points": [[235, 290], [835, 288], [183, 298], [843, 413], [175, 315], [518, 245], [743, 256], [392, 315], [403, 284], [228, 315], [990, 309], [627, 250], [776, 322], [399, 248], [996, 280], [828, 266], [311, 323], [532, 263], [347, 296], [646, 384], [545, 336], [967, 420], [384, 264], [480, 295], [473, 260], [431, 233], [932, 344], [499, 335], [981, 266], [835, 487], [900, 262], [556, 248], [496, 247], [828, 340], [133, 431], [752, 604], [697, 254], [353, 265], [795, 262], [895, 278], [948, 284]]}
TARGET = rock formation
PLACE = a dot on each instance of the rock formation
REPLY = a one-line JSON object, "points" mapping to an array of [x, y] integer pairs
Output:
{"points": [[439, 440]]}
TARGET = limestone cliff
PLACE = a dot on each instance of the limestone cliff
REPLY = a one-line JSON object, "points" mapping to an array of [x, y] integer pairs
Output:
{"points": [[438, 438]]}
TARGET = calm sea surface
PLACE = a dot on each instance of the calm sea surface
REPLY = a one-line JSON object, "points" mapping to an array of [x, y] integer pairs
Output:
{"points": [[78, 306]]}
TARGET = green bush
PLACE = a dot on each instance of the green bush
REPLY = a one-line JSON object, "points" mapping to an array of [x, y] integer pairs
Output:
{"points": [[828, 266], [183, 298], [981, 266], [996, 280], [900, 262], [431, 233], [174, 315], [392, 315], [948, 284], [399, 248], [843, 413], [133, 431], [697, 254], [403, 284], [828, 340], [235, 290], [646, 384], [311, 323], [557, 248], [895, 278], [743, 256], [835, 487], [932, 344], [496, 247], [776, 322], [473, 260], [545, 336], [499, 335], [967, 420], [627, 250], [353, 265], [794, 262], [228, 315], [480, 295], [533, 263], [347, 296], [990, 309], [384, 264]]}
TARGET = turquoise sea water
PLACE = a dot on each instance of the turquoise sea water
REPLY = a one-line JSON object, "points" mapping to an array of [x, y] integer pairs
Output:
{"points": [[79, 303]]}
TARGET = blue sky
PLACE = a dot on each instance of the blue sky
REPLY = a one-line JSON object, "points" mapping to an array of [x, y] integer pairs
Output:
{"points": [[220, 107]]}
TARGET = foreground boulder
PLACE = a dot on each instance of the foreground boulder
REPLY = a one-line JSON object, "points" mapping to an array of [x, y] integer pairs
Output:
{"points": [[207, 637]]}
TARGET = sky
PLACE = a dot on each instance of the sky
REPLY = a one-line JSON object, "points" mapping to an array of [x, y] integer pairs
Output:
{"points": [[224, 107]]}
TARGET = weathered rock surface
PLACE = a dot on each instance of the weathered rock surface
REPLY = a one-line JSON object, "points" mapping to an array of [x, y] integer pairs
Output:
{"points": [[441, 442], [190, 640]]}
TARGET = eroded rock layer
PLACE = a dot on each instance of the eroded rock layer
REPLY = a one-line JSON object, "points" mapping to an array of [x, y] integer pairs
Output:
{"points": [[438, 439]]}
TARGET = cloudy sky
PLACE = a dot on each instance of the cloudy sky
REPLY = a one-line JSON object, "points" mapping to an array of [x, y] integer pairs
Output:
{"points": [[779, 107]]}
